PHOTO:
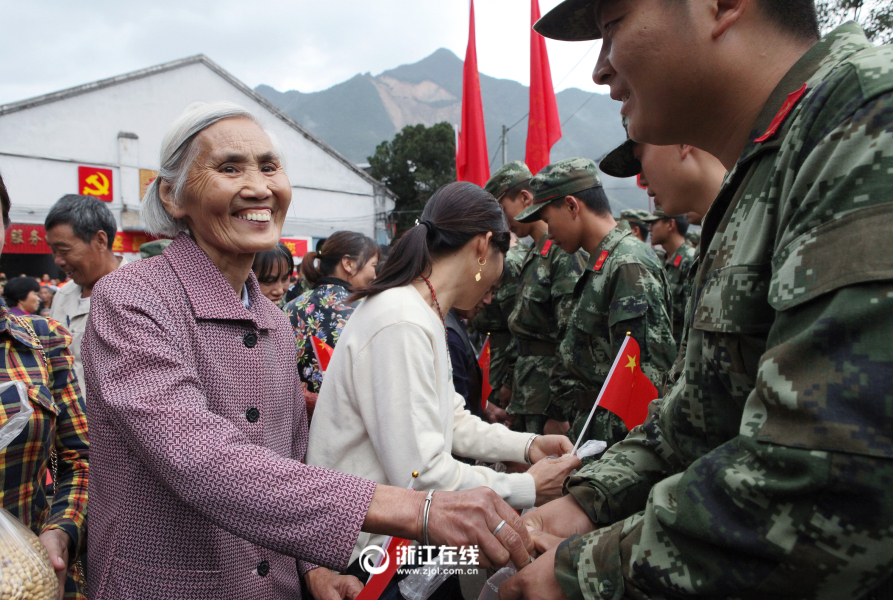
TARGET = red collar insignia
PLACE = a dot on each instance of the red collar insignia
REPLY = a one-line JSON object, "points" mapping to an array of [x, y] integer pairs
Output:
{"points": [[601, 261], [546, 247], [678, 260], [786, 109]]}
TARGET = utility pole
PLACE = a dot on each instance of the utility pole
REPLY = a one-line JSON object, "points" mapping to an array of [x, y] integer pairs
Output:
{"points": [[505, 149]]}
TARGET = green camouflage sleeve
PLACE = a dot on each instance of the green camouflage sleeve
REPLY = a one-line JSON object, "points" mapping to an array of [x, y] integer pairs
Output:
{"points": [[566, 271], [798, 503]]}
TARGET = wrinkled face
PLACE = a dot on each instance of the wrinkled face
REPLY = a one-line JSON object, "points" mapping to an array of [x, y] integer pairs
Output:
{"points": [[564, 230], [512, 207], [237, 193], [277, 283], [46, 295], [648, 62], [81, 261]]}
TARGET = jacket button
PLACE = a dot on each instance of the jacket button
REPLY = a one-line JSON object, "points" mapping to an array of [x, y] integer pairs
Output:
{"points": [[250, 339], [252, 414], [606, 588], [263, 567]]}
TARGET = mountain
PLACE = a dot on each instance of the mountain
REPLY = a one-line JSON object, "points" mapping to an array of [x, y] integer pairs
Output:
{"points": [[356, 115]]}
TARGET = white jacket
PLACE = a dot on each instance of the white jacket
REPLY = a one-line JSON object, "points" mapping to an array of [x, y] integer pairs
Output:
{"points": [[388, 407]]}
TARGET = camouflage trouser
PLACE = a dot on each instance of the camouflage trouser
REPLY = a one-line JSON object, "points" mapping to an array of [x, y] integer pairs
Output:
{"points": [[530, 388], [529, 423], [605, 425]]}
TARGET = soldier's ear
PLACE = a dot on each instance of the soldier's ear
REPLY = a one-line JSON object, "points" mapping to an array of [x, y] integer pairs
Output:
{"points": [[526, 198], [685, 151], [573, 204], [727, 13]]}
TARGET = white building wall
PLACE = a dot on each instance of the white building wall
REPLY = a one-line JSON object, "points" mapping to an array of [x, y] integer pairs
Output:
{"points": [[42, 146]]}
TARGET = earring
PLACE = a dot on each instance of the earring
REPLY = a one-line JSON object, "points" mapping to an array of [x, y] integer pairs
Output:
{"points": [[477, 276]]}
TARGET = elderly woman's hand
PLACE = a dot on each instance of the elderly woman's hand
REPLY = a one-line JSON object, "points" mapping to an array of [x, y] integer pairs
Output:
{"points": [[56, 541], [323, 584], [469, 518], [549, 475], [549, 445]]}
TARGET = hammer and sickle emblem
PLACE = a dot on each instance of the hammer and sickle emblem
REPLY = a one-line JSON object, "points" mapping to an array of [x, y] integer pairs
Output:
{"points": [[100, 185]]}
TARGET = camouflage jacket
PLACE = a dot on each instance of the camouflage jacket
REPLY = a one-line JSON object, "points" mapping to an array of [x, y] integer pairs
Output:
{"points": [[624, 289], [765, 471], [494, 320], [678, 268], [543, 304]]}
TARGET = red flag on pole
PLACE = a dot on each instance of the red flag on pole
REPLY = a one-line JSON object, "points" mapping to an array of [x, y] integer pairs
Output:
{"points": [[472, 161], [543, 124], [627, 391], [484, 363], [322, 351]]}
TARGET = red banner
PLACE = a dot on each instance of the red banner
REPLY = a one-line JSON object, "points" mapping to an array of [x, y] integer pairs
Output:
{"points": [[130, 241], [26, 239], [93, 181], [543, 125], [297, 246]]}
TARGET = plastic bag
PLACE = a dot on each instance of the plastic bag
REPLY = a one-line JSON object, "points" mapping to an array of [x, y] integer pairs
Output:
{"points": [[490, 591], [591, 448], [421, 584], [25, 569]]}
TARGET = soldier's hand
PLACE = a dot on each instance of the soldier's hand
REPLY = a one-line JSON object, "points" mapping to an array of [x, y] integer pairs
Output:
{"points": [[549, 475], [549, 445], [555, 427], [505, 396], [494, 414], [536, 581], [563, 518], [545, 541]]}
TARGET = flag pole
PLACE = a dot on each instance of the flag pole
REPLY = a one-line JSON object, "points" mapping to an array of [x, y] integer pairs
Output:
{"points": [[601, 392]]}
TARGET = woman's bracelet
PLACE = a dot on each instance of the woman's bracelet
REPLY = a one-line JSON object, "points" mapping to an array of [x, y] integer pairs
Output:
{"points": [[425, 517], [527, 449]]}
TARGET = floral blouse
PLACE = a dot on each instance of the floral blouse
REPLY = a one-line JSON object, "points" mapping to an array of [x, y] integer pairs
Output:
{"points": [[323, 312]]}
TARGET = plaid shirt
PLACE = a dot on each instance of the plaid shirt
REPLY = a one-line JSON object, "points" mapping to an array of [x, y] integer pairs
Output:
{"points": [[59, 419]]}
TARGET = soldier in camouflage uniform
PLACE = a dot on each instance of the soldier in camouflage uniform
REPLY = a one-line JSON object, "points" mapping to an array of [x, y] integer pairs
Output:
{"points": [[638, 222], [623, 290], [766, 470], [670, 232], [542, 304], [493, 321]]}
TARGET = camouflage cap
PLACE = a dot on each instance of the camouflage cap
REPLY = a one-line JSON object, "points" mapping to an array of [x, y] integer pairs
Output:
{"points": [[564, 178], [621, 161], [636, 216], [508, 176], [570, 21]]}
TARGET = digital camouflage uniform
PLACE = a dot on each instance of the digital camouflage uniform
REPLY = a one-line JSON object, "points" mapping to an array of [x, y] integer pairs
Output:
{"points": [[494, 318], [765, 471], [542, 305], [623, 289], [678, 267], [494, 321]]}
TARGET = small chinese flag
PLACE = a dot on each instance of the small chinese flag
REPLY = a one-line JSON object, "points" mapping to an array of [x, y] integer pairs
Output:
{"points": [[484, 362], [628, 391], [322, 351]]}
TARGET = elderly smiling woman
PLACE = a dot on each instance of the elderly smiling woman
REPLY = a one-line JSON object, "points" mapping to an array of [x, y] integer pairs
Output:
{"points": [[195, 408]]}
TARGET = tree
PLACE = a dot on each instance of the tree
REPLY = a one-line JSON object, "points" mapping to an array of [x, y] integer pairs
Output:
{"points": [[875, 16], [413, 165]]}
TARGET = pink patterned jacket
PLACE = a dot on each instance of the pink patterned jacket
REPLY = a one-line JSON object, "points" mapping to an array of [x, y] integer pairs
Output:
{"points": [[198, 430]]}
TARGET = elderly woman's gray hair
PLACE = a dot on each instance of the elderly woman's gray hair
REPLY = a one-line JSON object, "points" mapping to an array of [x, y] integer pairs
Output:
{"points": [[178, 152]]}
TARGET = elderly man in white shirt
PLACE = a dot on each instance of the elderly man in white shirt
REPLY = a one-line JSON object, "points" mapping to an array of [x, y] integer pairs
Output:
{"points": [[80, 231]]}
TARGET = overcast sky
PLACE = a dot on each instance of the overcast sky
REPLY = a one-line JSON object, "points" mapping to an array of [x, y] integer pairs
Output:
{"points": [[48, 45]]}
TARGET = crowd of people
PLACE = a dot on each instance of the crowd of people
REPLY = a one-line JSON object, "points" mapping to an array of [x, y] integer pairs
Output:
{"points": [[228, 456]]}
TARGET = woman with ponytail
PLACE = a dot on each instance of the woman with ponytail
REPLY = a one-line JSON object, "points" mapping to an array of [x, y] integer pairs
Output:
{"points": [[388, 406], [346, 261]]}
